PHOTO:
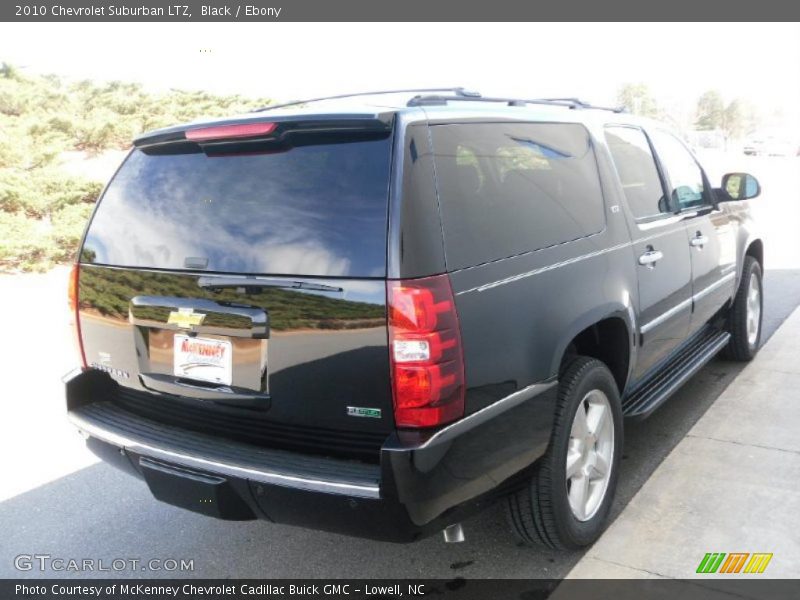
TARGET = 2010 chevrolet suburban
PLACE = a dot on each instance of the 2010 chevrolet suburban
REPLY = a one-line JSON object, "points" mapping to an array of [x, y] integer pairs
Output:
{"points": [[374, 316]]}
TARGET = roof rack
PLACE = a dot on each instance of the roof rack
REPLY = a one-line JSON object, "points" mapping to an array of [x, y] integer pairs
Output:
{"points": [[459, 92], [572, 103]]}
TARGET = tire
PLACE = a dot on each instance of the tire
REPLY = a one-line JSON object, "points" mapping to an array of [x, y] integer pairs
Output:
{"points": [[541, 513], [743, 345]]}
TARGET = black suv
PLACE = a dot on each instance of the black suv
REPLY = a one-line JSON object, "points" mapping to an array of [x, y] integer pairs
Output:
{"points": [[375, 317]]}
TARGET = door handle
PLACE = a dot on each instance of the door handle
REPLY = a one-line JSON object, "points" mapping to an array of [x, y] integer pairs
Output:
{"points": [[650, 257], [699, 240]]}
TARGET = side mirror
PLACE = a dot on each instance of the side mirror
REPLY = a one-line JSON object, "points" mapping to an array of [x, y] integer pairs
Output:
{"points": [[740, 186]]}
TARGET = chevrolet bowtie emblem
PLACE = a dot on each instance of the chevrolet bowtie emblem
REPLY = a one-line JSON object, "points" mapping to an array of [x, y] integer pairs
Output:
{"points": [[185, 318]]}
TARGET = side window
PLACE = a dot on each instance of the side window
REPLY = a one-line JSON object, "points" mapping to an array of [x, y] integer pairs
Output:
{"points": [[510, 188], [637, 171], [685, 175]]}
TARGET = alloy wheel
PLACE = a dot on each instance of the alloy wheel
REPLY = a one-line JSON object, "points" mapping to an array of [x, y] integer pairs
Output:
{"points": [[590, 455], [753, 310]]}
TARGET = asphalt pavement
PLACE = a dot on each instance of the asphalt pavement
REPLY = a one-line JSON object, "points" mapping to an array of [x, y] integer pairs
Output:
{"points": [[57, 500]]}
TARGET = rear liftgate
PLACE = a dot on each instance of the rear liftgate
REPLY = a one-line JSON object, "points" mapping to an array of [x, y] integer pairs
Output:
{"points": [[215, 353]]}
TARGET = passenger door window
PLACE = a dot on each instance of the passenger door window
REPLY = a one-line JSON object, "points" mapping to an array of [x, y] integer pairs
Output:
{"points": [[637, 171], [685, 175]]}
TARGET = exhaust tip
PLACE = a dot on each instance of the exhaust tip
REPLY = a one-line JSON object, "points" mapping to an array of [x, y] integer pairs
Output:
{"points": [[454, 534]]}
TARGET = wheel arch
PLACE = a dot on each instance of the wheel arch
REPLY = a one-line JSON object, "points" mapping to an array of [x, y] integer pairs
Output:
{"points": [[755, 248], [606, 334], [750, 244]]}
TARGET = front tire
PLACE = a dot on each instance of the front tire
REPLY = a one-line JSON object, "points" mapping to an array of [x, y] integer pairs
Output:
{"points": [[567, 501], [746, 314]]}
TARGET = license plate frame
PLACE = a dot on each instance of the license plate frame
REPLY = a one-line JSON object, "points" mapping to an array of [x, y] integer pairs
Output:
{"points": [[208, 360]]}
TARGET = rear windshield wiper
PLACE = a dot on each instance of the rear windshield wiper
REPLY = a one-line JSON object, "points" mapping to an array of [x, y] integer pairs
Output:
{"points": [[259, 283]]}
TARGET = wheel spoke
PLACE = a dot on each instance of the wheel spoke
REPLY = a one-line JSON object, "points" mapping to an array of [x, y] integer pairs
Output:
{"points": [[579, 425], [577, 495], [573, 462], [596, 418], [600, 467]]}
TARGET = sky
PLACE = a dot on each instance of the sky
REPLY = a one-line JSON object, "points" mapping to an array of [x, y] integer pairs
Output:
{"points": [[753, 61]]}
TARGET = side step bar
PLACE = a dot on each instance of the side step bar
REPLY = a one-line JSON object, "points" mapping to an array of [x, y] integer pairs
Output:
{"points": [[653, 392]]}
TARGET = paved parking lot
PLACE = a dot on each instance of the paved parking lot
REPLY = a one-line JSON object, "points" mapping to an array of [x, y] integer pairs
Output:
{"points": [[56, 499]]}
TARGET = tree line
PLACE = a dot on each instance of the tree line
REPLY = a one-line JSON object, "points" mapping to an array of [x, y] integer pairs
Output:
{"points": [[734, 118]]}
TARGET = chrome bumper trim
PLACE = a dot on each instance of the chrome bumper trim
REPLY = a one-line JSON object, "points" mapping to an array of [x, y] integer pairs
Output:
{"points": [[122, 440]]}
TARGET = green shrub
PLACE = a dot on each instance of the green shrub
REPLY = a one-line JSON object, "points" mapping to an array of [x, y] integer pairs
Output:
{"points": [[40, 192], [25, 243], [36, 243], [68, 224], [42, 217]]}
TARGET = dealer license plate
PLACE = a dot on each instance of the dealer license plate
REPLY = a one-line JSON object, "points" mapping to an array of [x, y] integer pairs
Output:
{"points": [[203, 359]]}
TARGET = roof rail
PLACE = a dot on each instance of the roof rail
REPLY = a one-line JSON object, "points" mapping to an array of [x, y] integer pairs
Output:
{"points": [[572, 103], [575, 101], [459, 92]]}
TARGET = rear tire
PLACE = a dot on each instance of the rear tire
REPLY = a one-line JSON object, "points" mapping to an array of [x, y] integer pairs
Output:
{"points": [[548, 510], [746, 314]]}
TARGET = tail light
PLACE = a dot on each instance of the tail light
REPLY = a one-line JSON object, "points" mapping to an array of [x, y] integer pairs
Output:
{"points": [[425, 352], [74, 306]]}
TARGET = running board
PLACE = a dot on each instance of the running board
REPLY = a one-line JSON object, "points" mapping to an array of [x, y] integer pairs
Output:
{"points": [[653, 392]]}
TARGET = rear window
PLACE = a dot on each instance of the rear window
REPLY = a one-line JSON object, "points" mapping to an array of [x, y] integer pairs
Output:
{"points": [[510, 188], [312, 209]]}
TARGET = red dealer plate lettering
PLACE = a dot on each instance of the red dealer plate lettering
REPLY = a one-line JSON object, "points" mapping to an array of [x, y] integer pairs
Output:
{"points": [[203, 359]]}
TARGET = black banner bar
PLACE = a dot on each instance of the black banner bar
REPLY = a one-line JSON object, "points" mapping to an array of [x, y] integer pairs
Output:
{"points": [[400, 10], [712, 586]]}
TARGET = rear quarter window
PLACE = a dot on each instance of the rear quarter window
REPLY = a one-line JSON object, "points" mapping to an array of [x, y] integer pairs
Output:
{"points": [[510, 188]]}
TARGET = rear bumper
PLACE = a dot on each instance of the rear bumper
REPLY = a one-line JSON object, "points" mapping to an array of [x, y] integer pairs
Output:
{"points": [[424, 481]]}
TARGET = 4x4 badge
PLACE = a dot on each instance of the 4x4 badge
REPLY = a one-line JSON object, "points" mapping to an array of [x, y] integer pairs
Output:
{"points": [[185, 318], [358, 411]]}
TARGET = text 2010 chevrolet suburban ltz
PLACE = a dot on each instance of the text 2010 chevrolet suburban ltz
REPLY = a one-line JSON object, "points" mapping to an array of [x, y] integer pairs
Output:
{"points": [[376, 317]]}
